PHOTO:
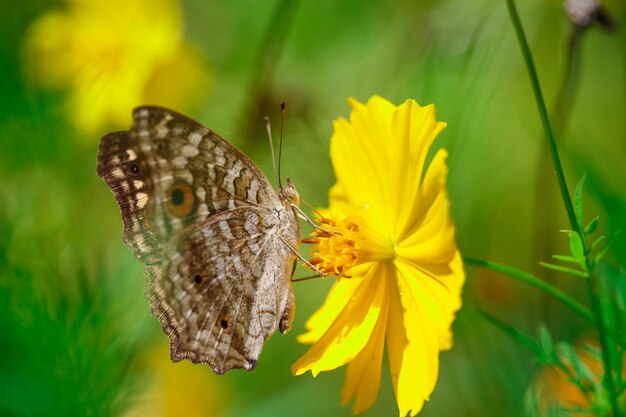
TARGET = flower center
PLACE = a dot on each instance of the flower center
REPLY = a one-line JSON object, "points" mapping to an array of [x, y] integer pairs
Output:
{"points": [[340, 245]]}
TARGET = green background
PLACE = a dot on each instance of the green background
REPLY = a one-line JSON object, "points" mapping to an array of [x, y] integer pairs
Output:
{"points": [[74, 326]]}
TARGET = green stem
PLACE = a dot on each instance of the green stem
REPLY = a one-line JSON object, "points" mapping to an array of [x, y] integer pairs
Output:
{"points": [[545, 200], [543, 112], [529, 279], [593, 284]]}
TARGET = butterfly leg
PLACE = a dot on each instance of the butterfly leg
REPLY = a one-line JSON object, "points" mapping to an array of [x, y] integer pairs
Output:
{"points": [[306, 278], [309, 264], [303, 216]]}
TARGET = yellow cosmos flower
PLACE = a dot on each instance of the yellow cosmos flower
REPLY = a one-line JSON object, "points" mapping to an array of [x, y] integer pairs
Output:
{"points": [[111, 55], [390, 240]]}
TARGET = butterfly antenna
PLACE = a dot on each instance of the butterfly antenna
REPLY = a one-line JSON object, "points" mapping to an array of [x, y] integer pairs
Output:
{"points": [[280, 144], [268, 127]]}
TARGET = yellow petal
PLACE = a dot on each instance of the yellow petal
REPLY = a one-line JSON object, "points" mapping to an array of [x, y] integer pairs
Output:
{"points": [[358, 153], [430, 238], [362, 186], [413, 129], [363, 373], [442, 286], [338, 202], [337, 298], [412, 344], [418, 125], [349, 332], [378, 157]]}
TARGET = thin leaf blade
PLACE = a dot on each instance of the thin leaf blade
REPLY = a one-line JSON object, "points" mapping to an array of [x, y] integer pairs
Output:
{"points": [[564, 269]]}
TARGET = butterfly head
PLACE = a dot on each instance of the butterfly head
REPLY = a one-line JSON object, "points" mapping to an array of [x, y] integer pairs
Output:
{"points": [[289, 193]]}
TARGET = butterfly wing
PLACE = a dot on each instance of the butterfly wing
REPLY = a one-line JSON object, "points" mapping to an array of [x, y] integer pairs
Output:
{"points": [[176, 182], [227, 289], [169, 172], [128, 177]]}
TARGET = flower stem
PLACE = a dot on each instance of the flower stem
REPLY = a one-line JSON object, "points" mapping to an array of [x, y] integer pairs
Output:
{"points": [[593, 284], [545, 200], [543, 112], [527, 278]]}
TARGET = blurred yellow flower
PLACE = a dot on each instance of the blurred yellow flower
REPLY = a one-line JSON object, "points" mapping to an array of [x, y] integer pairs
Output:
{"points": [[115, 55], [178, 389], [390, 240]]}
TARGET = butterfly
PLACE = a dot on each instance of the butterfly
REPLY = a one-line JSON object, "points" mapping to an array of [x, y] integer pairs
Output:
{"points": [[218, 243]]}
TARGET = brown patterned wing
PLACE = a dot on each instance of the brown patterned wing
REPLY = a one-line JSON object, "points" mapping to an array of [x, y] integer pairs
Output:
{"points": [[226, 287], [128, 176], [211, 231], [169, 172]]}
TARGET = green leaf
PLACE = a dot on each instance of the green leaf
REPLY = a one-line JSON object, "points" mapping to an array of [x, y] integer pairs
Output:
{"points": [[596, 243], [545, 343], [591, 227], [565, 258], [578, 201], [576, 245], [602, 251], [565, 269]]}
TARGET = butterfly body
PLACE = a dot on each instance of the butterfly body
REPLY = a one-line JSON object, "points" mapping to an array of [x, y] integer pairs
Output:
{"points": [[218, 242]]}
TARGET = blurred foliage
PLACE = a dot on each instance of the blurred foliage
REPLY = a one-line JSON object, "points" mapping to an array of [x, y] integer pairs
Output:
{"points": [[76, 336], [569, 383]]}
